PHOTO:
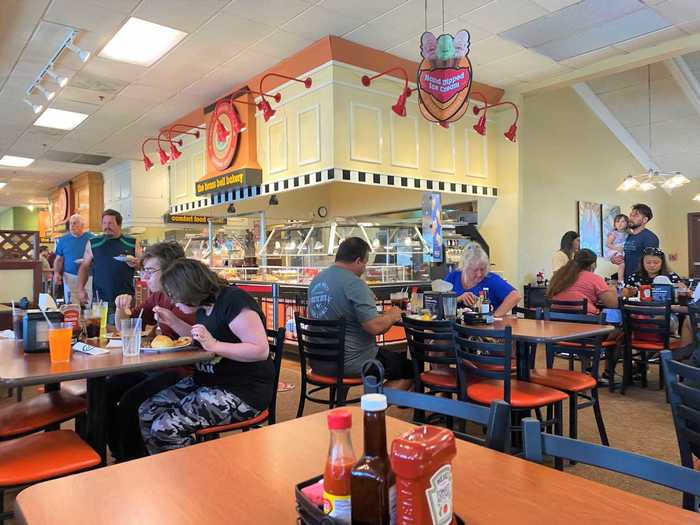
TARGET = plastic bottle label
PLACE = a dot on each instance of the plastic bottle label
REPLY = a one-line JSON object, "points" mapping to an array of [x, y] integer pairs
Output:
{"points": [[439, 495], [337, 507]]}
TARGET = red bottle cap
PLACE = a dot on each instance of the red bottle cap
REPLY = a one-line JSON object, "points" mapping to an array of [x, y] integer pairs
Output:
{"points": [[339, 420]]}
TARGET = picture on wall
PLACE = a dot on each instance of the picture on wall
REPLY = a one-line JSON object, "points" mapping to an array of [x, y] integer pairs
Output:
{"points": [[610, 211], [590, 226]]}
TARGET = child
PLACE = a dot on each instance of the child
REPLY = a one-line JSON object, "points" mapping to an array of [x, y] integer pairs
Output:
{"points": [[615, 244]]}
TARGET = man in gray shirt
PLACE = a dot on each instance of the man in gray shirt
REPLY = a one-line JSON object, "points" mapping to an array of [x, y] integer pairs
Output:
{"points": [[338, 291]]}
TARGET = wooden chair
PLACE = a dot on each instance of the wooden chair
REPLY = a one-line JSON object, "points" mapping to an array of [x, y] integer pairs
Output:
{"points": [[496, 418], [647, 328], [323, 342], [656, 471], [276, 340], [484, 367], [43, 412], [40, 457], [683, 388], [575, 384]]}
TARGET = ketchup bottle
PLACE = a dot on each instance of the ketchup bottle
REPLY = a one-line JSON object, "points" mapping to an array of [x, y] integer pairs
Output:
{"points": [[421, 460], [336, 476]]}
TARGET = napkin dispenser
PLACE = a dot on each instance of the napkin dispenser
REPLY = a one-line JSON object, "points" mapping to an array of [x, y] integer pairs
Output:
{"points": [[435, 303], [35, 330]]}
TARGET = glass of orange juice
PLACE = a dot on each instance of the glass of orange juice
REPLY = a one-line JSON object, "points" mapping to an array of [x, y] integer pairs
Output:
{"points": [[60, 337]]}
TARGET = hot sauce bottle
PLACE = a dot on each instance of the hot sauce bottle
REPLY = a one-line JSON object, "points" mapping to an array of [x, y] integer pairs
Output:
{"points": [[336, 476], [373, 482], [421, 459]]}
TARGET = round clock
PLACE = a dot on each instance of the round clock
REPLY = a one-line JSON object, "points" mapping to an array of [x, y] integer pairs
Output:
{"points": [[60, 206], [322, 211]]}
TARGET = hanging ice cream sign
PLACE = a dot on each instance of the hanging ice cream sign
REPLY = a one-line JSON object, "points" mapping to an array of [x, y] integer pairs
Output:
{"points": [[444, 76]]}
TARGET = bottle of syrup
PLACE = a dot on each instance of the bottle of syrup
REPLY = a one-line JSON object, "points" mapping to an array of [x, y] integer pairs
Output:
{"points": [[336, 476], [373, 483]]}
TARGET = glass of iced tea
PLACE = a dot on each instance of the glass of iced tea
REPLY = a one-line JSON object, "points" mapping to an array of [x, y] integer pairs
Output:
{"points": [[60, 338]]}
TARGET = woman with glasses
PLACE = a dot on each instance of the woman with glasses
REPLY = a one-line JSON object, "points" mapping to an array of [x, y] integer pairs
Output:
{"points": [[126, 392], [235, 385]]}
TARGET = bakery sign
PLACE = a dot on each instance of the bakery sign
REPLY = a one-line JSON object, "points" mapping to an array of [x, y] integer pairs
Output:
{"points": [[192, 219], [444, 76], [229, 181]]}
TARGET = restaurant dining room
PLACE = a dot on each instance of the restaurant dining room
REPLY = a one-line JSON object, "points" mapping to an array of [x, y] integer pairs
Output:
{"points": [[423, 262]]}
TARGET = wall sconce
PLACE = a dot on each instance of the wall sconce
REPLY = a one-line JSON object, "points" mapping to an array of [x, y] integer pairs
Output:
{"points": [[174, 152], [147, 163], [264, 105], [400, 107], [480, 126]]}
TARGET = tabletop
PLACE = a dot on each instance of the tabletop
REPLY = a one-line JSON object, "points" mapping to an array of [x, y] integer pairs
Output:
{"points": [[18, 368], [547, 331], [249, 478]]}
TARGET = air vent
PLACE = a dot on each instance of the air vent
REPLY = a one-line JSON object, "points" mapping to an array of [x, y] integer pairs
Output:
{"points": [[75, 158]]}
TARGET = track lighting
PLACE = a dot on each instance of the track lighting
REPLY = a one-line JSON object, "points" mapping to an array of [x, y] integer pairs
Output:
{"points": [[48, 94], [83, 55], [37, 108], [59, 79]]}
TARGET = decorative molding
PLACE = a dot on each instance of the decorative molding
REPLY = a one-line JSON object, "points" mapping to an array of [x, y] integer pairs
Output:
{"points": [[393, 120], [484, 152], [451, 130], [380, 131], [272, 124], [303, 162]]}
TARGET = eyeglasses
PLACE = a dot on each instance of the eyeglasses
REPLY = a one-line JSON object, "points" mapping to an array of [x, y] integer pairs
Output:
{"points": [[147, 272], [653, 251]]}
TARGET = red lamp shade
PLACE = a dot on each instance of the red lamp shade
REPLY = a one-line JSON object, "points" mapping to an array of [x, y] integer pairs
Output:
{"points": [[400, 107], [147, 163], [266, 109], [510, 134], [174, 152], [221, 132], [444, 124], [163, 156], [480, 127]]}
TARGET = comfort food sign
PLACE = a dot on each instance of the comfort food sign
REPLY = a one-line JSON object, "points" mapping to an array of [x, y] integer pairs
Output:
{"points": [[444, 76]]}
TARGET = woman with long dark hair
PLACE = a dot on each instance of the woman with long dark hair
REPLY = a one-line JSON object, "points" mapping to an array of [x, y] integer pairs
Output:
{"points": [[236, 384], [652, 265], [576, 281], [568, 246]]}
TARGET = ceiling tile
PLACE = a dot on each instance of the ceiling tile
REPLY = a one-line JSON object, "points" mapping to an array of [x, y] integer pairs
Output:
{"points": [[555, 5], [501, 15], [105, 68], [317, 22], [492, 78], [592, 57], [491, 49], [364, 10], [18, 19], [280, 44], [269, 12], [179, 14], [679, 11], [124, 6], [629, 78], [87, 96], [85, 15], [651, 39], [691, 27]]}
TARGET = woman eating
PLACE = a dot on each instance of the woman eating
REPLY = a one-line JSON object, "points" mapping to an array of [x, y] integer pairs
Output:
{"points": [[652, 266], [576, 281], [474, 276], [235, 385], [568, 246]]}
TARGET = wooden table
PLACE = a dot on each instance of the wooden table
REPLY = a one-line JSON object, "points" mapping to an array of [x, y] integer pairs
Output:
{"points": [[23, 369], [249, 478], [531, 331]]}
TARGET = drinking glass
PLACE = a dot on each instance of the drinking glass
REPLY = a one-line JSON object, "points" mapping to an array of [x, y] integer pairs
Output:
{"points": [[92, 322], [103, 309], [449, 306], [131, 337], [60, 336]]}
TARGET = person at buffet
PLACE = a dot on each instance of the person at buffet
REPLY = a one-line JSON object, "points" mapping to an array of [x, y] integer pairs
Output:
{"points": [[576, 280], [126, 392], [111, 259], [69, 250], [338, 291], [236, 384], [568, 246], [638, 239], [474, 276]]}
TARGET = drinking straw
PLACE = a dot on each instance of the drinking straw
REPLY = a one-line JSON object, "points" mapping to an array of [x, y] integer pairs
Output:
{"points": [[46, 317]]}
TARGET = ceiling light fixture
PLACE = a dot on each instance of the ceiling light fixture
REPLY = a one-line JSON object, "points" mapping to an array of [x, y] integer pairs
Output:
{"points": [[82, 54], [400, 107], [630, 183], [60, 119], [49, 95], [174, 152], [15, 162], [59, 79], [141, 42], [264, 105], [697, 197], [2, 185], [37, 108]]}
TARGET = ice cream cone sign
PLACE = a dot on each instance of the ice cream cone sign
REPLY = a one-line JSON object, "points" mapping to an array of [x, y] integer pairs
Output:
{"points": [[444, 76]]}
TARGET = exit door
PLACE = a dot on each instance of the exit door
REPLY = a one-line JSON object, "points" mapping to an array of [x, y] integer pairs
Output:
{"points": [[694, 245]]}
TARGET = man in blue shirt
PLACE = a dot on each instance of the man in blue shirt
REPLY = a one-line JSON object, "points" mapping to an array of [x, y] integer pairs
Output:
{"points": [[69, 253], [638, 239]]}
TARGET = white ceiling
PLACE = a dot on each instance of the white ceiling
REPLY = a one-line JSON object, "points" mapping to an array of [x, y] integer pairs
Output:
{"points": [[229, 42]]}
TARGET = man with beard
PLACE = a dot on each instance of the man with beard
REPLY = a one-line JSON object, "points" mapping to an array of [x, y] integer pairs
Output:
{"points": [[638, 239], [111, 258]]}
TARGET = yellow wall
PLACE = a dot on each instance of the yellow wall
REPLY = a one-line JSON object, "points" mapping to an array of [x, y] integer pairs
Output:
{"points": [[569, 155]]}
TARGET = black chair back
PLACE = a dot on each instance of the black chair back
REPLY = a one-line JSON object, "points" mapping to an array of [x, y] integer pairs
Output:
{"points": [[683, 387], [527, 312], [534, 296], [429, 342], [276, 340], [484, 353], [567, 307], [321, 341], [495, 418], [648, 321], [588, 349]]}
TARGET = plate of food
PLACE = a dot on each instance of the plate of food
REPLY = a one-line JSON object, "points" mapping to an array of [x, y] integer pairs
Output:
{"points": [[163, 343], [121, 258]]}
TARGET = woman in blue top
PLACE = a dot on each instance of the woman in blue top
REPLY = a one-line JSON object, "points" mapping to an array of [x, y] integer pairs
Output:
{"points": [[474, 276]]}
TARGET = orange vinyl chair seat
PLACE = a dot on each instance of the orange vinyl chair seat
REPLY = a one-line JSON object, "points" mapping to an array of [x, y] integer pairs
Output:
{"points": [[320, 379], [522, 393], [43, 456], [567, 380], [238, 425], [605, 344], [39, 412], [654, 346], [439, 380]]}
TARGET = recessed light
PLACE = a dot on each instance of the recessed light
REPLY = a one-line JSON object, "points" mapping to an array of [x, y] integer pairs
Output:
{"points": [[140, 42], [15, 162], [2, 185], [60, 119]]}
